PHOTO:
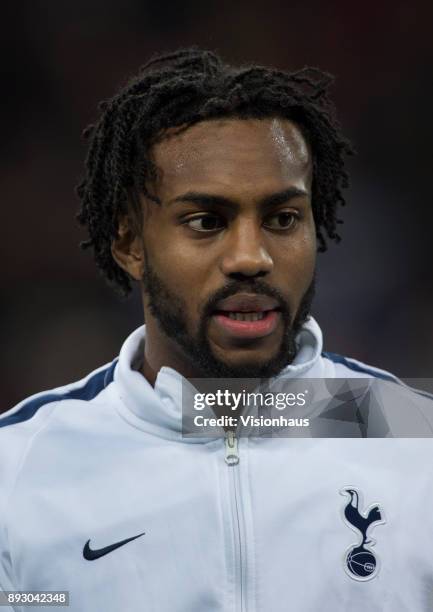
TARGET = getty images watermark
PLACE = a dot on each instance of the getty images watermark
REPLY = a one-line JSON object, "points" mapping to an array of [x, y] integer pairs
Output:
{"points": [[238, 401], [366, 407], [246, 406]]}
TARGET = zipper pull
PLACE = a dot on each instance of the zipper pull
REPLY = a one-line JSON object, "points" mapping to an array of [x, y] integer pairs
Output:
{"points": [[232, 455]]}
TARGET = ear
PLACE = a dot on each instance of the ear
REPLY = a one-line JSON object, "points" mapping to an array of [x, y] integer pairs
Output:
{"points": [[127, 249]]}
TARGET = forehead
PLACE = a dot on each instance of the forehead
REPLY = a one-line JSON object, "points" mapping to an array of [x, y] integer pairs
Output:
{"points": [[233, 153]]}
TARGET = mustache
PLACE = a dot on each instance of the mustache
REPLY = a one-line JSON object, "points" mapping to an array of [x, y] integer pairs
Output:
{"points": [[252, 286]]}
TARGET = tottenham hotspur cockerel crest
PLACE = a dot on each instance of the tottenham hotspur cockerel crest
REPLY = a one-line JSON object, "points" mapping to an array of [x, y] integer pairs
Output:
{"points": [[360, 563]]}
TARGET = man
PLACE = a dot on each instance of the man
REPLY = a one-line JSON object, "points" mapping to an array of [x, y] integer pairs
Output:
{"points": [[213, 187]]}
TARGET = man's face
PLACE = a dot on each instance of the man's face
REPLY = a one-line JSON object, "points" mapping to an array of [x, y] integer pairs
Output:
{"points": [[230, 252]]}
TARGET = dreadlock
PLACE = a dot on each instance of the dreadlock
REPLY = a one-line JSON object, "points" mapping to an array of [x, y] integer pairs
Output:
{"points": [[179, 89]]}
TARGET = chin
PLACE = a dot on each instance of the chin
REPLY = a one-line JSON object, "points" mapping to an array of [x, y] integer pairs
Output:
{"points": [[257, 368]]}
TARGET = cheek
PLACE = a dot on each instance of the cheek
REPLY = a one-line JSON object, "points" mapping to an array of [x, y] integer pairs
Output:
{"points": [[297, 262], [307, 250], [300, 252], [178, 267]]}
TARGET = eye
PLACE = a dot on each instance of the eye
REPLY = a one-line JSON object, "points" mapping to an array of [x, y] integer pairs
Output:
{"points": [[205, 223], [284, 220]]}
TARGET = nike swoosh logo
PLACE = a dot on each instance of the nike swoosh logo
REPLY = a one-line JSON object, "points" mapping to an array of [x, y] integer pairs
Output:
{"points": [[91, 555]]}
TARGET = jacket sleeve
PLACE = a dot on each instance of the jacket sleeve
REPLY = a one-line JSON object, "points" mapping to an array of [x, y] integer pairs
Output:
{"points": [[16, 436], [6, 583], [11, 446]]}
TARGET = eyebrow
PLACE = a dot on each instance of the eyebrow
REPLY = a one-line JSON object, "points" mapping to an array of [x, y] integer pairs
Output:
{"points": [[207, 199]]}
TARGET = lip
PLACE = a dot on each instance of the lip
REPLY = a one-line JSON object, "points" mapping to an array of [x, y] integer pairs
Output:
{"points": [[248, 329], [247, 302]]}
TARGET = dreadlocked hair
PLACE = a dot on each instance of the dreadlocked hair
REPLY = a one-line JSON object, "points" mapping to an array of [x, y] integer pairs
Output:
{"points": [[182, 88]]}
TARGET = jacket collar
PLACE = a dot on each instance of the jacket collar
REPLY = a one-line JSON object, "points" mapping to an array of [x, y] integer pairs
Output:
{"points": [[158, 409]]}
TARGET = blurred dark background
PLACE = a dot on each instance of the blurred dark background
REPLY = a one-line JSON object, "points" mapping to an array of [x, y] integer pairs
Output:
{"points": [[375, 294]]}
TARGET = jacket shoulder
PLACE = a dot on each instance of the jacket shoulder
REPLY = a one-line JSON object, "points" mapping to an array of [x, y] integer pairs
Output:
{"points": [[348, 367], [20, 424], [407, 408]]}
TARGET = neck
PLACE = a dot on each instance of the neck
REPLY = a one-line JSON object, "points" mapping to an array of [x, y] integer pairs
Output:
{"points": [[160, 351]]}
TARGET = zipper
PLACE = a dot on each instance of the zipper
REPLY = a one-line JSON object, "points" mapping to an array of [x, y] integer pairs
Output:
{"points": [[232, 460], [232, 454]]}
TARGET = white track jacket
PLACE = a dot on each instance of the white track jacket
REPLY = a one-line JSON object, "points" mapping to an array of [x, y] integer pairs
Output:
{"points": [[101, 496]]}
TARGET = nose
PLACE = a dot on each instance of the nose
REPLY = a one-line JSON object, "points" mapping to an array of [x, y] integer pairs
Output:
{"points": [[245, 253]]}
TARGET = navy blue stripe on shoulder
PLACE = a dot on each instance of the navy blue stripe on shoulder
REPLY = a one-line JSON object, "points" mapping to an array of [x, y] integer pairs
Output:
{"points": [[356, 367], [88, 391]]}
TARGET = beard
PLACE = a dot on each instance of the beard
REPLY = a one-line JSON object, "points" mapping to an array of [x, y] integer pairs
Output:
{"points": [[169, 311]]}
